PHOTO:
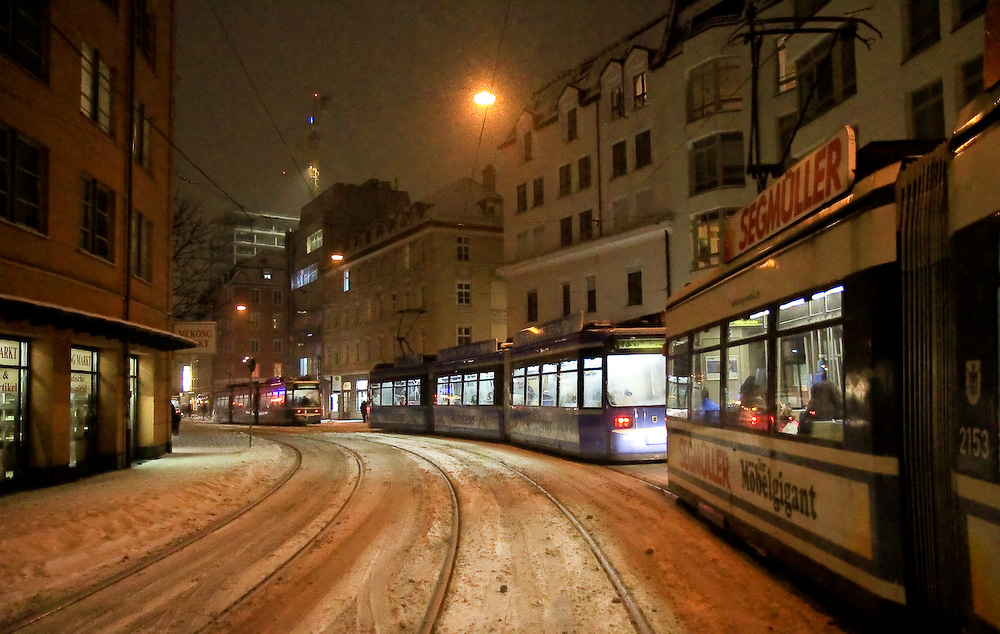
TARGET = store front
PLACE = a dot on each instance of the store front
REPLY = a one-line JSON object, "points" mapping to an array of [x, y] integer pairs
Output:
{"points": [[13, 392]]}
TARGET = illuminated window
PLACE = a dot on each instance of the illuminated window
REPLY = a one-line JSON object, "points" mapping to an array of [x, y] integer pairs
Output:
{"points": [[95, 88], [639, 96], [347, 280], [617, 103], [314, 241]]}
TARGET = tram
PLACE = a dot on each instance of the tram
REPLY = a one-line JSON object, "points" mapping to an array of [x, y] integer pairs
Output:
{"points": [[593, 391], [832, 390], [276, 401]]}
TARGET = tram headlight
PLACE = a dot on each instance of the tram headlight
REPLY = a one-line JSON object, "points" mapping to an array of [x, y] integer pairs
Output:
{"points": [[623, 422]]}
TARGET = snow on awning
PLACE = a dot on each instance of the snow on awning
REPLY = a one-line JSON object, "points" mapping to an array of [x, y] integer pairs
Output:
{"points": [[21, 309]]}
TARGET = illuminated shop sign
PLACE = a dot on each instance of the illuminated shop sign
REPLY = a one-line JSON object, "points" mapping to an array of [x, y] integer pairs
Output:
{"points": [[809, 185]]}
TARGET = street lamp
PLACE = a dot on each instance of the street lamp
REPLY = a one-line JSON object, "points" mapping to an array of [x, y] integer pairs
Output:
{"points": [[337, 257], [241, 308], [485, 98]]}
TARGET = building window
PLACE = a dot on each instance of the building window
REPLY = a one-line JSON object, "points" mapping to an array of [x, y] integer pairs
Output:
{"points": [[714, 87], [591, 294], [826, 76], [277, 321], [522, 198], [145, 30], [966, 10], [927, 109], [538, 191], [786, 70], [347, 280], [972, 79], [254, 295], [635, 288], [566, 231], [707, 237], [305, 276], [619, 163], [255, 345], [639, 95], [785, 127], [23, 34], [523, 249], [140, 136], [139, 262], [464, 335], [97, 224], [532, 306], [265, 274], [279, 297], [527, 146], [571, 132], [95, 88], [643, 150], [255, 320], [808, 8], [22, 180], [538, 238], [464, 292], [463, 248], [566, 303], [617, 103], [586, 225], [276, 346], [619, 213], [717, 161], [314, 241], [565, 180], [583, 173], [923, 20]]}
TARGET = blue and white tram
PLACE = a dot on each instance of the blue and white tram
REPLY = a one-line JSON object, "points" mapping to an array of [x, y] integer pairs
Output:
{"points": [[595, 392], [825, 342], [469, 398], [401, 395]]}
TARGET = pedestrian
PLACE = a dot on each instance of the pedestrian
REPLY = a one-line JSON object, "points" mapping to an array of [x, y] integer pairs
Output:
{"points": [[364, 410], [175, 420]]}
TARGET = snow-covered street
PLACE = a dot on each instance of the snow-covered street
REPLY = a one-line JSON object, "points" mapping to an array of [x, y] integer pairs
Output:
{"points": [[353, 535]]}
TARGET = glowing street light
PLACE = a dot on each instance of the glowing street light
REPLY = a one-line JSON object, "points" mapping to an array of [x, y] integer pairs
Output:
{"points": [[337, 257], [485, 98], [241, 308]]}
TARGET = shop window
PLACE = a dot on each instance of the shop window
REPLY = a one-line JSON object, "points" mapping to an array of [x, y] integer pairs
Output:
{"points": [[717, 161], [714, 86], [97, 223], [83, 404], [22, 180], [13, 405]]}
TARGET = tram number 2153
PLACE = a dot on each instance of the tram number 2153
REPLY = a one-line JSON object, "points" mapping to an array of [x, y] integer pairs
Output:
{"points": [[974, 442]]}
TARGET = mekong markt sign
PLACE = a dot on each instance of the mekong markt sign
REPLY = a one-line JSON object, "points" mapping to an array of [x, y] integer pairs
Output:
{"points": [[820, 177], [203, 332]]}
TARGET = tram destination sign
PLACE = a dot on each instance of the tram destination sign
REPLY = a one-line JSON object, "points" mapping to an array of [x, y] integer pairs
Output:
{"points": [[819, 178]]}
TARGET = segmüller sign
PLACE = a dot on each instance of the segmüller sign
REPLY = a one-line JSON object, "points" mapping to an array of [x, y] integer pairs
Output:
{"points": [[203, 332], [819, 178]]}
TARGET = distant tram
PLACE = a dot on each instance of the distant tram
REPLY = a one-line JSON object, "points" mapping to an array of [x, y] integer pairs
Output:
{"points": [[274, 401]]}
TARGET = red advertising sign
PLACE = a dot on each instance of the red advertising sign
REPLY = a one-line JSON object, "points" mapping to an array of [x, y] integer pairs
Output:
{"points": [[810, 184]]}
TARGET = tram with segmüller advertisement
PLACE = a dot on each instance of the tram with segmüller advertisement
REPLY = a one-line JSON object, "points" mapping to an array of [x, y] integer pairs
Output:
{"points": [[849, 344]]}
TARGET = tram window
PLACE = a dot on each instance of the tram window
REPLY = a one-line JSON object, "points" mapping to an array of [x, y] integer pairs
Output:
{"points": [[532, 386], [399, 392], [549, 383], [707, 338], [820, 306], [747, 398], [706, 384], [678, 377], [592, 381], [567, 383], [443, 393], [750, 326], [486, 381], [811, 384], [376, 392], [470, 389], [517, 387], [636, 379], [413, 392]]}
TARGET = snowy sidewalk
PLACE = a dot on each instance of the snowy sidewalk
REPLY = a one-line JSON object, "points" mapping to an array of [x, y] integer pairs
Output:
{"points": [[59, 539]]}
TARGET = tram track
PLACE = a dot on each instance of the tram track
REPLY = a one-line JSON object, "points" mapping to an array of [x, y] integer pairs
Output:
{"points": [[158, 556], [635, 614]]}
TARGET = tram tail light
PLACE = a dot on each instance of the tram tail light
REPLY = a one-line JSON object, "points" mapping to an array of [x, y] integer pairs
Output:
{"points": [[623, 422]]}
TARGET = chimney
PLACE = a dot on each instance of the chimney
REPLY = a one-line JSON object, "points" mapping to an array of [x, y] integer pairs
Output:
{"points": [[490, 178]]}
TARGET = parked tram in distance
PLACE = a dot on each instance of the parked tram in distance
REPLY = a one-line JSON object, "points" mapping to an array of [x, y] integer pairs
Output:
{"points": [[594, 392], [839, 373], [469, 391], [276, 401]]}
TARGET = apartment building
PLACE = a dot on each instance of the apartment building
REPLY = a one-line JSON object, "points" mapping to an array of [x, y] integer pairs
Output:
{"points": [[622, 170], [85, 220], [414, 282]]}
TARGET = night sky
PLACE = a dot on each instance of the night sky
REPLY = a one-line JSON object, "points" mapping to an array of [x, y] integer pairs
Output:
{"points": [[398, 77]]}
